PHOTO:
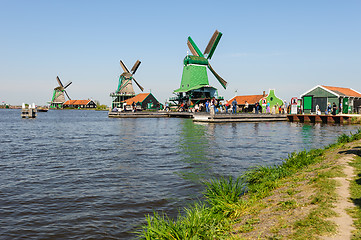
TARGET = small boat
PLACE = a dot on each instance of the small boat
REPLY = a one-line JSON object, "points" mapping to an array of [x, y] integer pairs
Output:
{"points": [[42, 109]]}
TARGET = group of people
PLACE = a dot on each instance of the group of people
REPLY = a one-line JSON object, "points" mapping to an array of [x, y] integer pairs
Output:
{"points": [[330, 110], [215, 106], [124, 108]]}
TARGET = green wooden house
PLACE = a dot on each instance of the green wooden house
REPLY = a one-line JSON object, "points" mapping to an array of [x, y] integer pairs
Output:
{"points": [[145, 101], [272, 99], [346, 99]]}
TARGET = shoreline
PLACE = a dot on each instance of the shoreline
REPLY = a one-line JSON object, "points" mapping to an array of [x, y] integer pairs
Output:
{"points": [[294, 200]]}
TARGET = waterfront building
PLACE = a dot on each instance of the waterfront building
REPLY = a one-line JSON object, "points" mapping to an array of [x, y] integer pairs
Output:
{"points": [[143, 101], [346, 99], [250, 99], [272, 100], [80, 104]]}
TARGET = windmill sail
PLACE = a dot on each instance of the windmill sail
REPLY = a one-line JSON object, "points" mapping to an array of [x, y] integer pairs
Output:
{"points": [[220, 80], [67, 95], [135, 67], [67, 85], [59, 82], [211, 47], [125, 69], [141, 88], [193, 47]]}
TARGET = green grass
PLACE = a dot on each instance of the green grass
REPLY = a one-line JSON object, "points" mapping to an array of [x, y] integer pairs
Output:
{"points": [[261, 180], [355, 190], [224, 196], [198, 222], [344, 138], [213, 218], [356, 120], [315, 222]]}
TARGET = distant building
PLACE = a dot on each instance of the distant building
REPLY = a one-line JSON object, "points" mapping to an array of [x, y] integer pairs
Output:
{"points": [[272, 100], [79, 104], [348, 99], [144, 100], [250, 99], [263, 100]]}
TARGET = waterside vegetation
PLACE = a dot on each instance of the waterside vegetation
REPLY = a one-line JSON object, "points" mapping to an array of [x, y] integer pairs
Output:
{"points": [[293, 200], [355, 190]]}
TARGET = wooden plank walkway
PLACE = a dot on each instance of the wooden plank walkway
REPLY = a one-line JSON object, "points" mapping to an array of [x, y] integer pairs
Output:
{"points": [[145, 114], [312, 118], [240, 117], [202, 117]]}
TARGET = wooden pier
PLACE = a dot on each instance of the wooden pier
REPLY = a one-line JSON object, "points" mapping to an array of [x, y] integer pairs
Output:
{"points": [[242, 117], [144, 114], [28, 113], [312, 118], [203, 117]]}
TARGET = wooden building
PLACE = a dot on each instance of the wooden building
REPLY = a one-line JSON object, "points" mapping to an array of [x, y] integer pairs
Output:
{"points": [[250, 99], [263, 100], [79, 104], [144, 100], [346, 99]]}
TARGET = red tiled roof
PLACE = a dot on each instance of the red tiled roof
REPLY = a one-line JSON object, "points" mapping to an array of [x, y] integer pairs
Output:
{"points": [[138, 98], [343, 91], [77, 102], [251, 99]]}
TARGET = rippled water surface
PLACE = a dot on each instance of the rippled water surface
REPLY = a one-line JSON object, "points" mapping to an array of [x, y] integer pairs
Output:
{"points": [[80, 175]]}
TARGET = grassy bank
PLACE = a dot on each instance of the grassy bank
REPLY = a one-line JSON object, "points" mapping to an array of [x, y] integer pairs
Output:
{"points": [[288, 201], [355, 187]]}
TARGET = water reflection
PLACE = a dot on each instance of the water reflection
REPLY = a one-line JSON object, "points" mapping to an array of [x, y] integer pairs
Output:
{"points": [[256, 128], [194, 151]]}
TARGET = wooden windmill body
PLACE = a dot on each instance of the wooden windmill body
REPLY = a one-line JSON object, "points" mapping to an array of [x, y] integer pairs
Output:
{"points": [[125, 88], [195, 87], [58, 98]]}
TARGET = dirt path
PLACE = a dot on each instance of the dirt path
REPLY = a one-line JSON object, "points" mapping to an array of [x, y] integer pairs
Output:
{"points": [[343, 220]]}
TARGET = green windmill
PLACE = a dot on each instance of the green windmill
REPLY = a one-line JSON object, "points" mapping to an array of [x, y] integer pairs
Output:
{"points": [[58, 98], [195, 85], [125, 88]]}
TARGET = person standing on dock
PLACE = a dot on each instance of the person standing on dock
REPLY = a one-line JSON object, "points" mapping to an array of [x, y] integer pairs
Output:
{"points": [[207, 106], [334, 108], [256, 107], [227, 106], [234, 106], [246, 107], [134, 107], [340, 109]]}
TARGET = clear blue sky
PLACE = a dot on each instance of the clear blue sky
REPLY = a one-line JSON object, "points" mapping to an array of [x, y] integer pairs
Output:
{"points": [[290, 46]]}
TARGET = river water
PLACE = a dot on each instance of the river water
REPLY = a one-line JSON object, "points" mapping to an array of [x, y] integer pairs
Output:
{"points": [[81, 175]]}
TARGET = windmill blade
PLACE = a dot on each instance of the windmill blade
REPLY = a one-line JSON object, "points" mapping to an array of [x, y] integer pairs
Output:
{"points": [[135, 67], [211, 47], [141, 88], [125, 69], [220, 80], [213, 42], [193, 47], [67, 85], [67, 95], [59, 82]]}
